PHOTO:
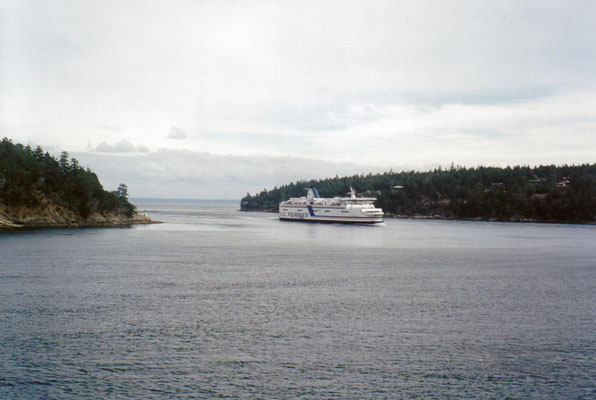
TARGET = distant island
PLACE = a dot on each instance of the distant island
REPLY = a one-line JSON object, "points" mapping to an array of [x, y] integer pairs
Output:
{"points": [[37, 190], [522, 193]]}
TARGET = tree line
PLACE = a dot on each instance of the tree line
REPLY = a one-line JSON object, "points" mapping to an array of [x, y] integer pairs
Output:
{"points": [[32, 178], [542, 193]]}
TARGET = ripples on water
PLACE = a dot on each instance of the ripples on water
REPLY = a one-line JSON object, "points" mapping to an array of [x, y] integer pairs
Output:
{"points": [[218, 303]]}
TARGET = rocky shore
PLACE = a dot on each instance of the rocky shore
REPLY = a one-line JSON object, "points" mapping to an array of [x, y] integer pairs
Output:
{"points": [[510, 219], [453, 218], [51, 216]]}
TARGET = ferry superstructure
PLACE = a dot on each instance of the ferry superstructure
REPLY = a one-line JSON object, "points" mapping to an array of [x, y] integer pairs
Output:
{"points": [[313, 208]]}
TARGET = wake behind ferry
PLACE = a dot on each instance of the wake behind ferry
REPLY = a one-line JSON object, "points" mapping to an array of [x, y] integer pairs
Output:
{"points": [[313, 208]]}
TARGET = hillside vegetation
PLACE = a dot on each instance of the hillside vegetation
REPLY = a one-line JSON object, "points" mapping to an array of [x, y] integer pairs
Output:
{"points": [[544, 193], [33, 182]]}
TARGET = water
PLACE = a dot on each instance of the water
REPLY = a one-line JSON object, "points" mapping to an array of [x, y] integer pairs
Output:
{"points": [[219, 303]]}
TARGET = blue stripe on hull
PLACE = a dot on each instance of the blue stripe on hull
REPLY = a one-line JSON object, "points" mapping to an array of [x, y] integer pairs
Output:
{"points": [[330, 221], [330, 216]]}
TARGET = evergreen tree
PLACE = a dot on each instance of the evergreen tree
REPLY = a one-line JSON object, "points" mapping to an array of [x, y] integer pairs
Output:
{"points": [[512, 193], [29, 176]]}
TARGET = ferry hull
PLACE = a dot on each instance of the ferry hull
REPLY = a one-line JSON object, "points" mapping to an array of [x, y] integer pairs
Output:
{"points": [[334, 216], [331, 220]]}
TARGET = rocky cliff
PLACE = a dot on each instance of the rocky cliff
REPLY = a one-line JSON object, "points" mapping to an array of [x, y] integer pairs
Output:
{"points": [[54, 216]]}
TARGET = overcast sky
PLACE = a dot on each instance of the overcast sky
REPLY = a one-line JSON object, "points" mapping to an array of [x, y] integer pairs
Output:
{"points": [[213, 99]]}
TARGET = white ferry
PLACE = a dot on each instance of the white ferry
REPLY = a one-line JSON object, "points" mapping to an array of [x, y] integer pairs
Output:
{"points": [[313, 208]]}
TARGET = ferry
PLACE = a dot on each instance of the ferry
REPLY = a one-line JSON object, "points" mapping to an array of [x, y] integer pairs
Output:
{"points": [[313, 208]]}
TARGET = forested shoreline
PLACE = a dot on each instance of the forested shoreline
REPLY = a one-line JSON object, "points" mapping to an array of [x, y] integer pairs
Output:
{"points": [[544, 193], [38, 189]]}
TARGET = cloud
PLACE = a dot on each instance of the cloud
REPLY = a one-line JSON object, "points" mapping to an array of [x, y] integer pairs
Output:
{"points": [[123, 146], [293, 65], [380, 84], [558, 128], [177, 133], [186, 174]]}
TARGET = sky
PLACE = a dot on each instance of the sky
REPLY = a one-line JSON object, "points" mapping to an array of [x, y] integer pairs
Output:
{"points": [[214, 99]]}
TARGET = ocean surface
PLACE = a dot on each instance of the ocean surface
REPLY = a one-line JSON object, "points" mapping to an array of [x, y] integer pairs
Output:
{"points": [[217, 303]]}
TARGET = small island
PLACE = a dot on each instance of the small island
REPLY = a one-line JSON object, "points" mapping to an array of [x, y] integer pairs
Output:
{"points": [[40, 191], [525, 194]]}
